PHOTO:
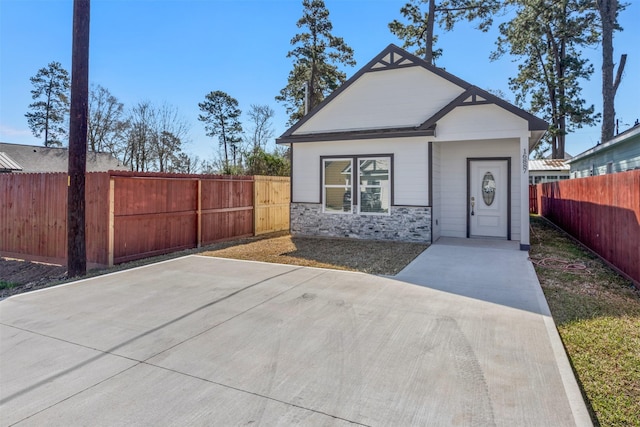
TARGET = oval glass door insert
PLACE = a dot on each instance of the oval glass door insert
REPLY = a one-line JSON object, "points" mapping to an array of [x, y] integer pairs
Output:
{"points": [[488, 188]]}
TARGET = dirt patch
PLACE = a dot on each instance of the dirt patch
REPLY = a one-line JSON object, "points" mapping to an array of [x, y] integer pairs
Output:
{"points": [[18, 276], [373, 257]]}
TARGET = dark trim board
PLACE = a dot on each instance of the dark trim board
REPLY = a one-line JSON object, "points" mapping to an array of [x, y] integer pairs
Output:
{"points": [[405, 132], [390, 49], [430, 183], [488, 159], [405, 60], [290, 177], [474, 92]]}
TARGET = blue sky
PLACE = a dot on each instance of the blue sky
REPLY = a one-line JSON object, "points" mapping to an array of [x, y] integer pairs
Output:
{"points": [[177, 51]]}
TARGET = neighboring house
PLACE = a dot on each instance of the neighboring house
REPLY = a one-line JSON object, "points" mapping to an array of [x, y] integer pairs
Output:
{"points": [[622, 153], [33, 159], [406, 151], [548, 170]]}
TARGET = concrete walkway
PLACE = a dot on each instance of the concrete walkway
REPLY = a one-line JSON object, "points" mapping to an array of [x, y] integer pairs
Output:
{"points": [[461, 337]]}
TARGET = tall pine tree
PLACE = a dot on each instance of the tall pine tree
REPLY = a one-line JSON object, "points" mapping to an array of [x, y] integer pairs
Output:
{"points": [[51, 94], [547, 37], [221, 117], [418, 32], [317, 53]]}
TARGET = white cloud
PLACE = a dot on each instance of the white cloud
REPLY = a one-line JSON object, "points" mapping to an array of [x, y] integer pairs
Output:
{"points": [[16, 136]]}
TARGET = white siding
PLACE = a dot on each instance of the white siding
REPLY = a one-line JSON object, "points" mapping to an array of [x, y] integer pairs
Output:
{"points": [[474, 122], [410, 167], [384, 99], [436, 216], [453, 182]]}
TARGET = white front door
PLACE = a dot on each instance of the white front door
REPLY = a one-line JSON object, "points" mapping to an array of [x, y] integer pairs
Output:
{"points": [[488, 198]]}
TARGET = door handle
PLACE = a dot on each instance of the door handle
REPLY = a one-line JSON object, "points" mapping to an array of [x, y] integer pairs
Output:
{"points": [[473, 205]]}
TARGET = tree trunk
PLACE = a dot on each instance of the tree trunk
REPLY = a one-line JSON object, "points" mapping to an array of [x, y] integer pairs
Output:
{"points": [[608, 112], [76, 242], [428, 54], [46, 114], [608, 10]]}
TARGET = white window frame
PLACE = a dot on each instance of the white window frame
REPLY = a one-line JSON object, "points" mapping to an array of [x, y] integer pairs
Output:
{"points": [[344, 186]]}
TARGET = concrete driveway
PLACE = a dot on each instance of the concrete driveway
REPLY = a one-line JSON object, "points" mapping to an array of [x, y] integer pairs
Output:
{"points": [[461, 337]]}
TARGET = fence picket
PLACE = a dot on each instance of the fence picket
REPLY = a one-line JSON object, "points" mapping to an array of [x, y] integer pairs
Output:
{"points": [[133, 215], [603, 212]]}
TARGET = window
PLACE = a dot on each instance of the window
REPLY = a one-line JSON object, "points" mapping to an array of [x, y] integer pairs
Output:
{"points": [[336, 197], [373, 178], [356, 184], [610, 167]]}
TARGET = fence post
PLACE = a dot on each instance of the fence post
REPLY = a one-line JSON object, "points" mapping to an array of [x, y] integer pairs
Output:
{"points": [[255, 204], [199, 214], [111, 227]]}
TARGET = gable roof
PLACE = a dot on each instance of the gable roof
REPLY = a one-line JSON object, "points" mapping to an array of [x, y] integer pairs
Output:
{"points": [[7, 164], [34, 159], [393, 57], [537, 165]]}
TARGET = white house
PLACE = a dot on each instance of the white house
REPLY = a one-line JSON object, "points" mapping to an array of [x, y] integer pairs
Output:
{"points": [[548, 170], [406, 151], [619, 154]]}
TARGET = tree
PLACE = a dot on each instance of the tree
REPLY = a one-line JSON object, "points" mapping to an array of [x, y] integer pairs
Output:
{"points": [[107, 125], [51, 92], [608, 10], [170, 131], [221, 117], [261, 131], [276, 163], [184, 163], [140, 137], [547, 36], [419, 31], [317, 53]]}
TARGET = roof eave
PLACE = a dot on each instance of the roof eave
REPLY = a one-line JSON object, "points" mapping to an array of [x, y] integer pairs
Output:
{"points": [[354, 135]]}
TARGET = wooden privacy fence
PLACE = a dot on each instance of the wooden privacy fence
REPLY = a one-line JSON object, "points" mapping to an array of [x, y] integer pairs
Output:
{"points": [[602, 212], [135, 215], [533, 199], [271, 197]]}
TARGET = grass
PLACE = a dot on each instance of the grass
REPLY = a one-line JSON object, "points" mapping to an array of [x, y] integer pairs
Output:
{"points": [[6, 285], [597, 312]]}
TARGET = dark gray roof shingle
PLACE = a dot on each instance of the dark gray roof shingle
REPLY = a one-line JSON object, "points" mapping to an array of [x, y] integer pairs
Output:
{"points": [[33, 159]]}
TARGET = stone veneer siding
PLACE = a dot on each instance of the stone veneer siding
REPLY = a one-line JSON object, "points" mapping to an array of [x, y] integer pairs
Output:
{"points": [[405, 224]]}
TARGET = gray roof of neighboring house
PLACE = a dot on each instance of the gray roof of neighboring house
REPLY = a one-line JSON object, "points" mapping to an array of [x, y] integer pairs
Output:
{"points": [[548, 165], [618, 139], [7, 164], [32, 159]]}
